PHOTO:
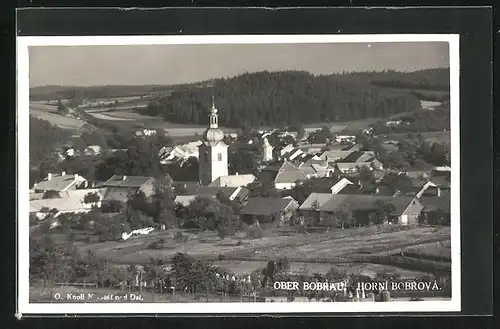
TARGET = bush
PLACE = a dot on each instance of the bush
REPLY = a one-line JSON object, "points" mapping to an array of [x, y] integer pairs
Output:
{"points": [[112, 206], [157, 244], [255, 232]]}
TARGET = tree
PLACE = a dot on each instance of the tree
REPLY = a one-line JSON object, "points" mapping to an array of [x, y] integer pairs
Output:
{"points": [[112, 206], [263, 189], [365, 175], [383, 211], [344, 218], [279, 99], [301, 132], [62, 108], [91, 198]]}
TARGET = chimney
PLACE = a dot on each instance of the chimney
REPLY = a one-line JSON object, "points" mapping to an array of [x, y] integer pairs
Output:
{"points": [[124, 177], [49, 176], [63, 173]]}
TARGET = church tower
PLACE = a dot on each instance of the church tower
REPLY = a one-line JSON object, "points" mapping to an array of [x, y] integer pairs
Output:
{"points": [[212, 151], [267, 150]]}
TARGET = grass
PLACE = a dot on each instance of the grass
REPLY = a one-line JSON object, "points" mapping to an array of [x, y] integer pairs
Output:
{"points": [[317, 251], [435, 250]]}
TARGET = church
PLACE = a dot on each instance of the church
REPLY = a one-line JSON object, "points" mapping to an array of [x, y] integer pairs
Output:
{"points": [[213, 158]]}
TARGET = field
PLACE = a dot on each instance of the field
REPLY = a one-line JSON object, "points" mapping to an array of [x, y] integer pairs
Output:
{"points": [[436, 250], [129, 118], [61, 121], [316, 252]]}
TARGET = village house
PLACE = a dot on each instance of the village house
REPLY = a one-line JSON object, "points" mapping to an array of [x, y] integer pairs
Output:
{"points": [[169, 154], [145, 132], [334, 155], [122, 187], [284, 175], [437, 206], [69, 201], [268, 211], [233, 180], [92, 150], [367, 189], [231, 193], [60, 182], [321, 208]]}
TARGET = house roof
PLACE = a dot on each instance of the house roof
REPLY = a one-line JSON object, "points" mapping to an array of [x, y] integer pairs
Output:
{"points": [[185, 184], [353, 202], [127, 181], [442, 203], [234, 180], [334, 155], [227, 192], [290, 176], [58, 182], [365, 202], [265, 206], [69, 201], [359, 156], [320, 198], [122, 194], [350, 189], [439, 181], [352, 165]]}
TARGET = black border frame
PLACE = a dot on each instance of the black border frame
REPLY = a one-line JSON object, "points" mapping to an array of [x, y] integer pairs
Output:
{"points": [[474, 26]]}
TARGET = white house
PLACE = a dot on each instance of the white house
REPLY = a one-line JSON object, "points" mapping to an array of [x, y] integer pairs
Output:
{"points": [[59, 182]]}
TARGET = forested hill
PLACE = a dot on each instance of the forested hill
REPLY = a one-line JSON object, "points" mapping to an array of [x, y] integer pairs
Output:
{"points": [[274, 98], [430, 79]]}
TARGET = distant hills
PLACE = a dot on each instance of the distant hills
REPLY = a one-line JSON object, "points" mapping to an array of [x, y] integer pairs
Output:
{"points": [[296, 97], [274, 98]]}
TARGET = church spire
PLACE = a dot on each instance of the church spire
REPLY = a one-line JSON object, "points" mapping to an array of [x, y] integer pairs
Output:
{"points": [[214, 118]]}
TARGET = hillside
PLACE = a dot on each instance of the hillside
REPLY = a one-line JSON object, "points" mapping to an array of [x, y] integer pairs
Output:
{"points": [[274, 98], [430, 79], [46, 93]]}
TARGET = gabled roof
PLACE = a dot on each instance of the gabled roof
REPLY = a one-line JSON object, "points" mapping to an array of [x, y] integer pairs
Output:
{"points": [[127, 181], [320, 198], [290, 176], [58, 182], [334, 155], [442, 182], [366, 203], [352, 165], [227, 192], [442, 203], [69, 201], [354, 202], [359, 156], [265, 206], [233, 180]]}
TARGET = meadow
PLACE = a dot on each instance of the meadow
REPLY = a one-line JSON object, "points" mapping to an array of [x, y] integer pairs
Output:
{"points": [[317, 252]]}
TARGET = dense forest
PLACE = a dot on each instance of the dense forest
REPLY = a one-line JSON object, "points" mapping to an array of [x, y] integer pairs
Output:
{"points": [[430, 79], [44, 139], [273, 98]]}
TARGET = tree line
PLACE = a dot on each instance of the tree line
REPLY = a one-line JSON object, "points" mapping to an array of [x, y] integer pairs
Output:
{"points": [[273, 98]]}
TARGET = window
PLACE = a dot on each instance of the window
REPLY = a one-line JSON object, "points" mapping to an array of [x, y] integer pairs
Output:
{"points": [[219, 157]]}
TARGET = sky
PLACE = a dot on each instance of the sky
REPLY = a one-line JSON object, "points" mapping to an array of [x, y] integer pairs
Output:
{"points": [[174, 64]]}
